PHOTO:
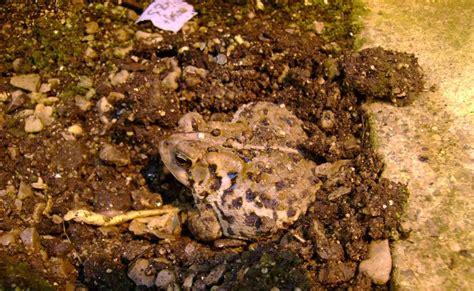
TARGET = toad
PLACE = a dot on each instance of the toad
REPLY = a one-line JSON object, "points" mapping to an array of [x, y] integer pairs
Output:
{"points": [[247, 176]]}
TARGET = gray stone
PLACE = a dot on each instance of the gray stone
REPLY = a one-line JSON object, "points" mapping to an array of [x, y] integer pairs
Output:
{"points": [[379, 263], [165, 278], [111, 154], [139, 274], [33, 124], [30, 82]]}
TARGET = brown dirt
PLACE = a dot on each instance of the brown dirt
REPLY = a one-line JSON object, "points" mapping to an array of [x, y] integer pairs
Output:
{"points": [[284, 62]]}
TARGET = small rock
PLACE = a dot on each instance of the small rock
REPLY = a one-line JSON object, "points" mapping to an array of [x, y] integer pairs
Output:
{"points": [[328, 120], [31, 238], [17, 64], [85, 82], [30, 82], [170, 81], [165, 278], [140, 273], [18, 99], [221, 59], [115, 96], [122, 52], [44, 113], [35, 97], [9, 238], [54, 82], [3, 96], [24, 191], [111, 154], [92, 27], [45, 88], [119, 78], [75, 129], [144, 199], [103, 106], [214, 275], [121, 35], [90, 54], [33, 124], [82, 103], [40, 184], [228, 243], [148, 38], [193, 76], [379, 263], [318, 26], [331, 69]]}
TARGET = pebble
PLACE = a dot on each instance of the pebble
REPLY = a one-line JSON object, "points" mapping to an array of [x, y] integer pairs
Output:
{"points": [[17, 64], [3, 96], [148, 38], [24, 191], [18, 99], [328, 120], [170, 81], [221, 59], [111, 154], [103, 106], [9, 238], [139, 274], [215, 275], [121, 35], [119, 78], [92, 27], [75, 129], [82, 103], [193, 76], [165, 278], [44, 113], [318, 26], [90, 54], [40, 184], [29, 82], [31, 238], [379, 263], [85, 82], [33, 124]]}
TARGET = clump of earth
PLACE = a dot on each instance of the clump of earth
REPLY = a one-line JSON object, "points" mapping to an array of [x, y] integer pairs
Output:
{"points": [[87, 95]]}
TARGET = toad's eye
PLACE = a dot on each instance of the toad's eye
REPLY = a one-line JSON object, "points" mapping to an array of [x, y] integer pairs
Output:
{"points": [[182, 160]]}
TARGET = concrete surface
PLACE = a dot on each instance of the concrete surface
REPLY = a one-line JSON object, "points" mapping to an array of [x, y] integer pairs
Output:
{"points": [[429, 144]]}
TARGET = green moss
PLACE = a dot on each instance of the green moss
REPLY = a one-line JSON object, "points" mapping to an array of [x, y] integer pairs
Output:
{"points": [[21, 275]]}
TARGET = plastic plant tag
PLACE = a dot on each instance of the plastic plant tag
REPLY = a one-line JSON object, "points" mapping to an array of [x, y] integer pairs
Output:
{"points": [[168, 14]]}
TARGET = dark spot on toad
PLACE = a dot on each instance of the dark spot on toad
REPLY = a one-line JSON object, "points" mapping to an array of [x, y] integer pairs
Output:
{"points": [[230, 231], [290, 212], [250, 176], [268, 202], [237, 203], [226, 193], [229, 218], [280, 185], [211, 149], [253, 220], [265, 111], [216, 132], [232, 175], [265, 122], [250, 195], [216, 185]]}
